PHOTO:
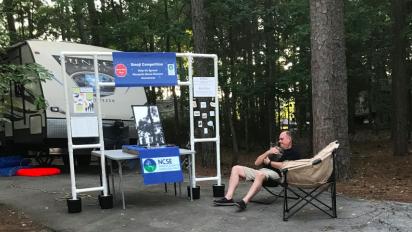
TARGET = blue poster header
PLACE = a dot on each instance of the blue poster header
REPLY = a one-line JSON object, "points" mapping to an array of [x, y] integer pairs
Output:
{"points": [[144, 68]]}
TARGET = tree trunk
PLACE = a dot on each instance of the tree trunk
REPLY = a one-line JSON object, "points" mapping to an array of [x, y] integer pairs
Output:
{"points": [[199, 34], [329, 80], [116, 10], [231, 101], [11, 24], [229, 114], [400, 81], [78, 18], [201, 70], [22, 19], [270, 69], [93, 22], [62, 26], [30, 19], [167, 39]]}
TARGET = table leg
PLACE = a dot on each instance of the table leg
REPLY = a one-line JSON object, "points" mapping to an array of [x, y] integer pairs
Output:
{"points": [[190, 177], [111, 173], [121, 183]]}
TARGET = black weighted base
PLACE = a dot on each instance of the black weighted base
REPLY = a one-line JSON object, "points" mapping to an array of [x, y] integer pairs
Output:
{"points": [[196, 192], [218, 190], [106, 202], [74, 206]]}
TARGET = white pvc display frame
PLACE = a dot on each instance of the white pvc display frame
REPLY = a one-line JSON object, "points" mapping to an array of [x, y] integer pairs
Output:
{"points": [[95, 55]]}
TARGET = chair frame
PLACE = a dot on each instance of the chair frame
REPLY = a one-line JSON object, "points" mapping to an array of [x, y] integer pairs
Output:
{"points": [[306, 196], [273, 184]]}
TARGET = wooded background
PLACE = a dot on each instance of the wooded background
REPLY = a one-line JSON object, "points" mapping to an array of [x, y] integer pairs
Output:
{"points": [[335, 66]]}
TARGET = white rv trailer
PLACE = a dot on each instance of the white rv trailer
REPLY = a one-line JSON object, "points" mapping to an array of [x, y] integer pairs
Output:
{"points": [[29, 128]]}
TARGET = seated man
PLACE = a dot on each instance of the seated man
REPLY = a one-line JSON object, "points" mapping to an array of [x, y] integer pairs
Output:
{"points": [[271, 164]]}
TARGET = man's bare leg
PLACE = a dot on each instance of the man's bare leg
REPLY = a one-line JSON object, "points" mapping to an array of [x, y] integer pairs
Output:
{"points": [[256, 186], [235, 175]]}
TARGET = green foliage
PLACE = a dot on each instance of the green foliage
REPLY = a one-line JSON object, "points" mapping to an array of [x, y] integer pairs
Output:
{"points": [[249, 37], [23, 75]]}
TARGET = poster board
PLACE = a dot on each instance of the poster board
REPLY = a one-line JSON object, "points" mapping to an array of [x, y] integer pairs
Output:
{"points": [[148, 125]]}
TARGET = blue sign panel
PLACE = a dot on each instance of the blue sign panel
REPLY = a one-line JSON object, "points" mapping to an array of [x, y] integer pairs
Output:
{"points": [[160, 165], [144, 68]]}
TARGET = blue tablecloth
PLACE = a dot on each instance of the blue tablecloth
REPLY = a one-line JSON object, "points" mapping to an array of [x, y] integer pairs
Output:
{"points": [[159, 164]]}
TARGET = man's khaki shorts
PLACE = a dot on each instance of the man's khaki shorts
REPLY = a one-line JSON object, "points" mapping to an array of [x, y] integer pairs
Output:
{"points": [[250, 173]]}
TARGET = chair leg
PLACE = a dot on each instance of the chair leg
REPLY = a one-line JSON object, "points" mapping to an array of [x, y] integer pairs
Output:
{"points": [[311, 198], [285, 204], [333, 195]]}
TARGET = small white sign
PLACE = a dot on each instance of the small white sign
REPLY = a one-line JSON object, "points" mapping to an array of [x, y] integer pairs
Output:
{"points": [[212, 104], [203, 105], [84, 126], [194, 104], [204, 86], [212, 113], [210, 123], [199, 124], [196, 113], [205, 131], [204, 115]]}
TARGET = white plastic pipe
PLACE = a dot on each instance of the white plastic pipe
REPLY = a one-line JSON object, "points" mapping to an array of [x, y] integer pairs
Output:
{"points": [[69, 131]]}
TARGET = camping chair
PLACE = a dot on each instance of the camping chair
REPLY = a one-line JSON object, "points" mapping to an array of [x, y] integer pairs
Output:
{"points": [[307, 179]]}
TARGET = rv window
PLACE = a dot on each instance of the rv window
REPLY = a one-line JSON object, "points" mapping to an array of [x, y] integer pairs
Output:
{"points": [[87, 80]]}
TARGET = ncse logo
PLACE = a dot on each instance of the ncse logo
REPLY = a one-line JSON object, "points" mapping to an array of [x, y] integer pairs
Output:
{"points": [[149, 165]]}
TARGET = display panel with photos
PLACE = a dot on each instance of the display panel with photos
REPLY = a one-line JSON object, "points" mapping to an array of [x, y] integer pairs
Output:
{"points": [[148, 125]]}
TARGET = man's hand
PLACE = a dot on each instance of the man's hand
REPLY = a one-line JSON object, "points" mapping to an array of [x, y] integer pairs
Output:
{"points": [[264, 158], [275, 150], [266, 161]]}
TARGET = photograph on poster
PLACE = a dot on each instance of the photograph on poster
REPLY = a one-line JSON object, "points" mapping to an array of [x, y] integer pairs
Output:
{"points": [[204, 115], [212, 104], [205, 131], [196, 113], [212, 113], [149, 126], [199, 124], [202, 104]]}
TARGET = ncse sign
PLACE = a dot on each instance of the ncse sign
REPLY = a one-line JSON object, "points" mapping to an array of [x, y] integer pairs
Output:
{"points": [[144, 68]]}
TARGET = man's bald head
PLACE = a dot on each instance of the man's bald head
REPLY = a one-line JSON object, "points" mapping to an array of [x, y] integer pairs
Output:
{"points": [[285, 140]]}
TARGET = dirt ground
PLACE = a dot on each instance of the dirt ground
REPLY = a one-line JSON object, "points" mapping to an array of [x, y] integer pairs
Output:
{"points": [[377, 174], [16, 220]]}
